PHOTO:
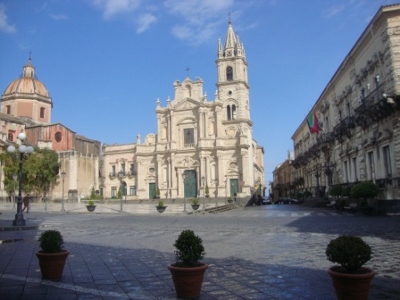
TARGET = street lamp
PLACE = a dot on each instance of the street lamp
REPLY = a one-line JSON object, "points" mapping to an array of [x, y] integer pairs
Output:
{"points": [[204, 196], [216, 198], [15, 183], [120, 176], [63, 174], [184, 198], [22, 149]]}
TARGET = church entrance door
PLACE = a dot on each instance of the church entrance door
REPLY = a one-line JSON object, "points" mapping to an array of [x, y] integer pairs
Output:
{"points": [[190, 188]]}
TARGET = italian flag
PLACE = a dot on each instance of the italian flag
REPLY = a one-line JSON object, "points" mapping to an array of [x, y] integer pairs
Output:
{"points": [[313, 123]]}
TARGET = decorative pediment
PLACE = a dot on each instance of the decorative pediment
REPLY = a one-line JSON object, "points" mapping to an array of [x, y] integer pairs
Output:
{"points": [[188, 162], [187, 104]]}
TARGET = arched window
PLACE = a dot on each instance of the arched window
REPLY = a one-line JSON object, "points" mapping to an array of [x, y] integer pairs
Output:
{"points": [[229, 73], [233, 112], [42, 110], [228, 112], [11, 135], [8, 110]]}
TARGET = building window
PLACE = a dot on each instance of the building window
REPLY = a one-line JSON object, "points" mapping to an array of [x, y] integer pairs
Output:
{"points": [[231, 112], [346, 172], [387, 162], [58, 136], [229, 74], [8, 110], [11, 135], [132, 169], [42, 110], [123, 168], [188, 137], [355, 169], [113, 171], [371, 166], [113, 192], [132, 190]]}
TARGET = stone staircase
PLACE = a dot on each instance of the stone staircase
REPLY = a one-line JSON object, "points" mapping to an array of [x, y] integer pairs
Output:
{"points": [[220, 209]]}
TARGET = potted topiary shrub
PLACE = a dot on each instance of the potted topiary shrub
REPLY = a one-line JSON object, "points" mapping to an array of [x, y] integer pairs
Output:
{"points": [[351, 280], [52, 257], [90, 206], [188, 272], [207, 191], [160, 207], [195, 204], [230, 200], [157, 193]]}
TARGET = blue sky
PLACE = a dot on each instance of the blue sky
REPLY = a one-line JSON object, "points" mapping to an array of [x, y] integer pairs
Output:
{"points": [[105, 62]]}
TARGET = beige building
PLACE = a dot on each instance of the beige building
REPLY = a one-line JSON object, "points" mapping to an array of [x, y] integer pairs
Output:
{"points": [[354, 129], [26, 106], [198, 142]]}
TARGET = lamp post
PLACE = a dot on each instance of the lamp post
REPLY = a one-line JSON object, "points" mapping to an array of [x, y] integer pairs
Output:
{"points": [[120, 175], [15, 183], [216, 198], [63, 174], [204, 195], [184, 198], [22, 149]]}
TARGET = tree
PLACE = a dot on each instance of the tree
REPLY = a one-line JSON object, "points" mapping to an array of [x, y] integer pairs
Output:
{"points": [[39, 172], [336, 190]]}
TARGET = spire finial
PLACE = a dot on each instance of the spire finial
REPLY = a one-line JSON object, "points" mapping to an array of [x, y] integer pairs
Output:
{"points": [[187, 71], [229, 16]]}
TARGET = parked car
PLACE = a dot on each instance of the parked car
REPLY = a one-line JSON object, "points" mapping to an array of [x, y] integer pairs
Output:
{"points": [[266, 200], [290, 201]]}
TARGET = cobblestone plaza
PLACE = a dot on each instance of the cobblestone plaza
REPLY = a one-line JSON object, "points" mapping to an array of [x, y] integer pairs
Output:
{"points": [[258, 252]]}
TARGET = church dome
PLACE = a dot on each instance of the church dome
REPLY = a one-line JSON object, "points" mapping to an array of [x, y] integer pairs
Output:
{"points": [[27, 85]]}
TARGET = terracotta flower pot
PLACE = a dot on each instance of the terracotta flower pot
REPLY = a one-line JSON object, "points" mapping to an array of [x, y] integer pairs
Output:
{"points": [[52, 264], [188, 281], [351, 286]]}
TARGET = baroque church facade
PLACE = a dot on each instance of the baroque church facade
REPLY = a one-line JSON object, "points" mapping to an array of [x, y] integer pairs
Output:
{"points": [[198, 142]]}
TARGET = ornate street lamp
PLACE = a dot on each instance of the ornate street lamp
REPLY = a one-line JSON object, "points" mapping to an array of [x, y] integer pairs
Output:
{"points": [[184, 198], [63, 174], [15, 177], [22, 149], [203, 179]]}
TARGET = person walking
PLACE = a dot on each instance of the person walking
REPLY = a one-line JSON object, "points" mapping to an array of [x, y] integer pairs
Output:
{"points": [[26, 203]]}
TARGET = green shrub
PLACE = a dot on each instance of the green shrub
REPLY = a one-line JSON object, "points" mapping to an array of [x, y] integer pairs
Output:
{"points": [[189, 249], [195, 201], [351, 252], [91, 202], [51, 241], [161, 203], [307, 194], [364, 189], [336, 190]]}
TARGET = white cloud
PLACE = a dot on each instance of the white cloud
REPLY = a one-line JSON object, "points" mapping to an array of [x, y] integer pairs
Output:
{"points": [[111, 8], [333, 11], [197, 12], [144, 21], [59, 17], [4, 25]]}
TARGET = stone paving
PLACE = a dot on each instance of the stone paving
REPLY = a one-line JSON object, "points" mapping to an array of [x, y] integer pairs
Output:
{"points": [[258, 252]]}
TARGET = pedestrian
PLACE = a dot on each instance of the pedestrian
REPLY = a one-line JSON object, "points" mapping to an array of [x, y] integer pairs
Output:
{"points": [[26, 203]]}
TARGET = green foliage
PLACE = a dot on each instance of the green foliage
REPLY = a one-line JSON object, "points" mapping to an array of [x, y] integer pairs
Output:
{"points": [[364, 189], [299, 195], [190, 249], [307, 194], [119, 194], [206, 190], [161, 203], [92, 194], [91, 202], [351, 252], [336, 190], [51, 241], [157, 192], [195, 201], [39, 172]]}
